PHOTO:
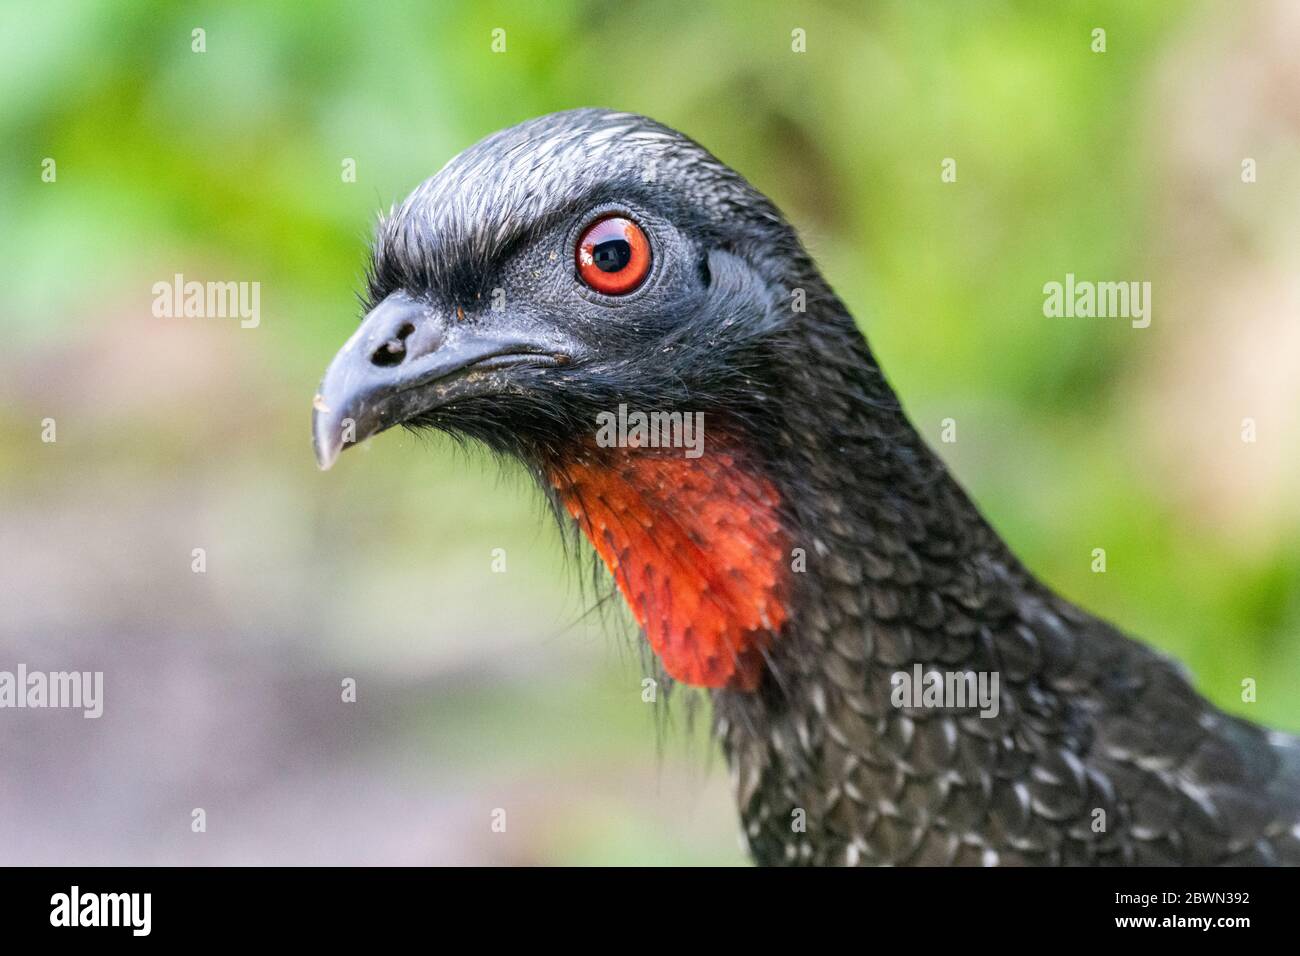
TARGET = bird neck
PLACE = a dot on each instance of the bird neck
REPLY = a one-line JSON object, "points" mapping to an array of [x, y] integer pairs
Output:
{"points": [[729, 560], [885, 535]]}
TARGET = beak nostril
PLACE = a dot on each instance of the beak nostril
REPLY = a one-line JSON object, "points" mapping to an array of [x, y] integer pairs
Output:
{"points": [[393, 351]]}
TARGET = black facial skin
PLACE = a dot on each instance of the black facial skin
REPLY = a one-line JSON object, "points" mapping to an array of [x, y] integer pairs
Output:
{"points": [[641, 348]]}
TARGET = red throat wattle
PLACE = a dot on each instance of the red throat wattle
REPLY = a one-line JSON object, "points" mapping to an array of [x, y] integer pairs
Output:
{"points": [[697, 550]]}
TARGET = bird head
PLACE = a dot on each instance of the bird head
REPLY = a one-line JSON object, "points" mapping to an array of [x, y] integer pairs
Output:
{"points": [[552, 271], [582, 262]]}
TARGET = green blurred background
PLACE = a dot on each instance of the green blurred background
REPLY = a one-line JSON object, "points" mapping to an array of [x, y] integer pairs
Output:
{"points": [[477, 690]]}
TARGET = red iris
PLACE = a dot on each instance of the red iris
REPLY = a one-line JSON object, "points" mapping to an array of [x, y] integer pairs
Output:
{"points": [[613, 255]]}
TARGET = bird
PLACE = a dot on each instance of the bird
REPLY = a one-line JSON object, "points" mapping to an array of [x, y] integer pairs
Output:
{"points": [[578, 290]]}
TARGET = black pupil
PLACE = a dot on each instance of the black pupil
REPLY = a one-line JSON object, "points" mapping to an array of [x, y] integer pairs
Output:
{"points": [[612, 254]]}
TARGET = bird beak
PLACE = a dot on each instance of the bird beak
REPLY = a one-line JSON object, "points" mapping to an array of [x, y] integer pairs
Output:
{"points": [[409, 357]]}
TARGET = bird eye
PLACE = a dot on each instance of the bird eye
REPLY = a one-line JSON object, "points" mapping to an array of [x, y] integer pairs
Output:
{"points": [[613, 255]]}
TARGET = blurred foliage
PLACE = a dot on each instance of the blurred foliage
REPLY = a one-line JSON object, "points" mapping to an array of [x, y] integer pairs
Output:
{"points": [[226, 164]]}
